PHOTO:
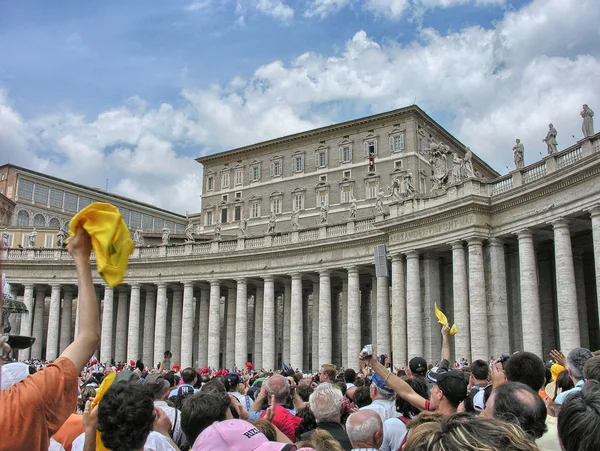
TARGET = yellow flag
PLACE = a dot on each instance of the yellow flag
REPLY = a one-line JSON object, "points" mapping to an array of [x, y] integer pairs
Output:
{"points": [[443, 320]]}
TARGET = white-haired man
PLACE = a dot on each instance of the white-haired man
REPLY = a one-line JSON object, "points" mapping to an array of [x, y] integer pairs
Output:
{"points": [[326, 405], [365, 430]]}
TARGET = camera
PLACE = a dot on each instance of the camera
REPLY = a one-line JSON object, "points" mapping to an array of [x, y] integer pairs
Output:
{"points": [[503, 358], [368, 350]]}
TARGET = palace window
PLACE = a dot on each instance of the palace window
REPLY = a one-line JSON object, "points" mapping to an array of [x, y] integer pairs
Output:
{"points": [[70, 202], [298, 201], [54, 223], [147, 223], [224, 215], [237, 213], [49, 240], [371, 189], [210, 183], [255, 171], [208, 218], [39, 220], [346, 194], [22, 218], [84, 202], [225, 179], [347, 174], [322, 196], [321, 158], [298, 163], [276, 205], [397, 142], [255, 210], [56, 198], [370, 144], [238, 195], [41, 194], [239, 177], [276, 166], [25, 190], [346, 153]]}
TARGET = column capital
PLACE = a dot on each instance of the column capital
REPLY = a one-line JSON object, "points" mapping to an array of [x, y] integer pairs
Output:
{"points": [[524, 234], [458, 244], [268, 278], [412, 254], [325, 273], [160, 285], [214, 282], [241, 281], [352, 269], [396, 257], [560, 223], [108, 289], [296, 276], [55, 286], [29, 285], [493, 241], [474, 241], [188, 285], [135, 285], [594, 211]]}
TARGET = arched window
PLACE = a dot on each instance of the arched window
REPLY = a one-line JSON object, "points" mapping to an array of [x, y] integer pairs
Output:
{"points": [[39, 220], [22, 218], [54, 223]]}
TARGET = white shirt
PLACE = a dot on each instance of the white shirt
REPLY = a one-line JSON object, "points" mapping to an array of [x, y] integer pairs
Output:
{"points": [[394, 431], [385, 408], [155, 442], [178, 435]]}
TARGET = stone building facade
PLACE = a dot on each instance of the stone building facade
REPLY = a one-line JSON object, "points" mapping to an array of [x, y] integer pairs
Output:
{"points": [[513, 260]]}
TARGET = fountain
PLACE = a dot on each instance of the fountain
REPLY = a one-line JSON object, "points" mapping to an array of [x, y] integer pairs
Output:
{"points": [[12, 306]]}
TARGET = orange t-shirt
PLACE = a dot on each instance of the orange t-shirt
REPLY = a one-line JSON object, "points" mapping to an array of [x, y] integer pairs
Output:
{"points": [[35, 408], [69, 431]]}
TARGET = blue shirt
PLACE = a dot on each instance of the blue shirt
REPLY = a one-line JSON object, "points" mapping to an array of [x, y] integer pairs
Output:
{"points": [[561, 398]]}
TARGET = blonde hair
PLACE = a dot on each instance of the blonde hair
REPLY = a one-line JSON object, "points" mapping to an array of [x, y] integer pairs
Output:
{"points": [[324, 441], [462, 432]]}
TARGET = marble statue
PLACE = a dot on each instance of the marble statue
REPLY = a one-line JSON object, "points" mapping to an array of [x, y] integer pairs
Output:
{"points": [[60, 238], [217, 236], [409, 187], [243, 225], [324, 212], [468, 164], [457, 168], [396, 189], [32, 238], [272, 223], [5, 238], [189, 232], [166, 233], [379, 201], [353, 207], [550, 140], [588, 121], [519, 154], [439, 162], [294, 219]]}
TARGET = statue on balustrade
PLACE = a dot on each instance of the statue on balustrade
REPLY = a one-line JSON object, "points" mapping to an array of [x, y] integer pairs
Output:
{"points": [[166, 234], [439, 163], [189, 232], [468, 164], [395, 191], [32, 237], [294, 219], [217, 235], [550, 140], [324, 212], [60, 238], [409, 187], [5, 238], [519, 154], [272, 223], [379, 201], [457, 168], [353, 208], [243, 226], [588, 121]]}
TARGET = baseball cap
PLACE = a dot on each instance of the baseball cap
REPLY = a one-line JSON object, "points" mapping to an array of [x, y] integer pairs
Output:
{"points": [[236, 434], [157, 383], [418, 365], [377, 380], [451, 383]]}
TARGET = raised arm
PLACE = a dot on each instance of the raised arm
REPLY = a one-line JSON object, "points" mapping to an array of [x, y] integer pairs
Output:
{"points": [[446, 342], [88, 338]]}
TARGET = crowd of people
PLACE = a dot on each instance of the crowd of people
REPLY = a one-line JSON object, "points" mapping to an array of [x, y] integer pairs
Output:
{"points": [[516, 402]]}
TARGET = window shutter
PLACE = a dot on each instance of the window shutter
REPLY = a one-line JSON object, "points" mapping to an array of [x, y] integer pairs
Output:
{"points": [[272, 168], [401, 141], [392, 149], [341, 153], [366, 148], [375, 146], [381, 268], [326, 157]]}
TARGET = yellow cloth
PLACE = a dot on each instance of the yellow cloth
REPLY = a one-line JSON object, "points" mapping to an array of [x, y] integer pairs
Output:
{"points": [[443, 320], [111, 239], [105, 385], [556, 369]]}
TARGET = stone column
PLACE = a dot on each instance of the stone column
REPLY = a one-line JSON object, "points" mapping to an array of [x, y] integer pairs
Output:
{"points": [[374, 332], [477, 301], [66, 320], [306, 332], [595, 212], [133, 332], [462, 341], [176, 319], [365, 317], [231, 326], [214, 324], [414, 309], [324, 317], [432, 295], [27, 319], [241, 324], [160, 327], [315, 325], [38, 322], [287, 305], [121, 336], [258, 327], [566, 291], [296, 346], [106, 344], [353, 324], [149, 316], [53, 324], [498, 302], [269, 323], [383, 316], [399, 356], [335, 328], [584, 329], [203, 333], [530, 294], [344, 323], [187, 328]]}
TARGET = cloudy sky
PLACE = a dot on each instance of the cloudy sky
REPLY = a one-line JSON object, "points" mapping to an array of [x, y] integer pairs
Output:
{"points": [[127, 93]]}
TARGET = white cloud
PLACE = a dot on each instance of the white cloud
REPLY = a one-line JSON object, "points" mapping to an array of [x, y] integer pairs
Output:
{"points": [[198, 5], [275, 8], [323, 8]]}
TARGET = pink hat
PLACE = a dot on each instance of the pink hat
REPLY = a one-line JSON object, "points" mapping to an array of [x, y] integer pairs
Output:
{"points": [[236, 435]]}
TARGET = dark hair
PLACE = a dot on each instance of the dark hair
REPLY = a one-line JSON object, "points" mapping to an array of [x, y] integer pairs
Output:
{"points": [[125, 416], [188, 375], [518, 403], [304, 391], [564, 381], [362, 397], [480, 370], [350, 375], [527, 368], [86, 393], [406, 408], [213, 386], [233, 380], [201, 410], [591, 369], [341, 386], [309, 422], [224, 381], [579, 419], [169, 376]]}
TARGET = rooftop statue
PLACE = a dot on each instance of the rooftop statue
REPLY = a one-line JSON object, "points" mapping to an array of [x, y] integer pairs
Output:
{"points": [[519, 154], [550, 140], [588, 121]]}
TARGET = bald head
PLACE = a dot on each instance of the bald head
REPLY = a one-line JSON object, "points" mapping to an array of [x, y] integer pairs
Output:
{"points": [[279, 386], [365, 429]]}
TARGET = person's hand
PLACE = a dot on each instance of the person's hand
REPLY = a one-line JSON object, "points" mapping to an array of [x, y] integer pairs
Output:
{"points": [[90, 417], [498, 375], [558, 357], [80, 245], [263, 388], [446, 330], [239, 408], [4, 347], [270, 412], [162, 423]]}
